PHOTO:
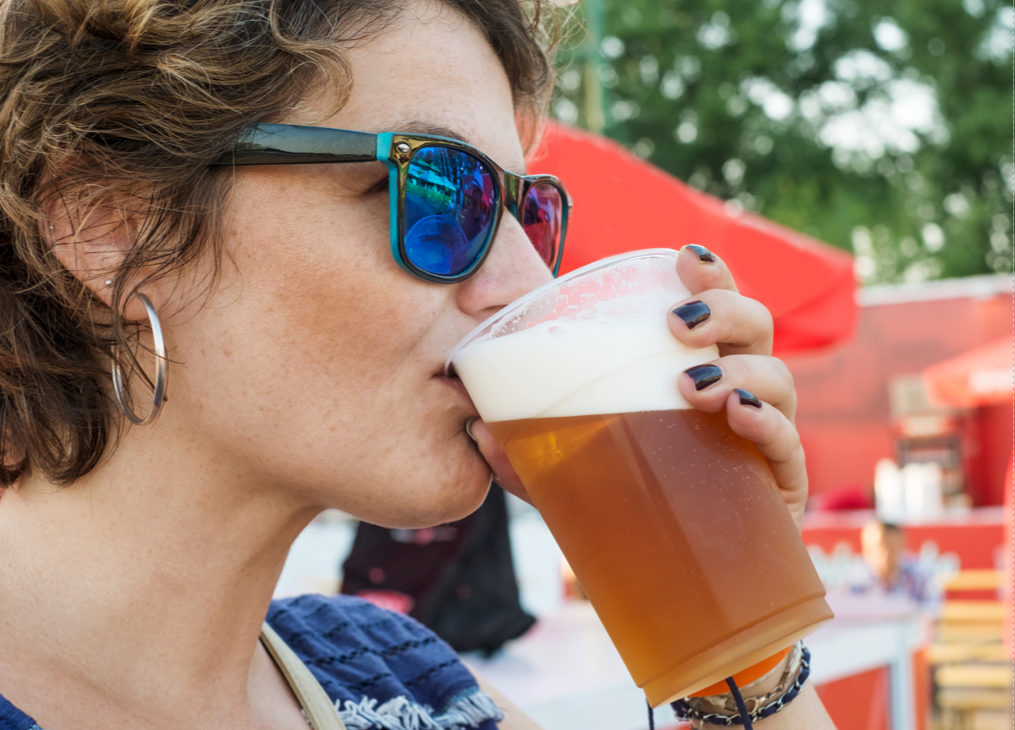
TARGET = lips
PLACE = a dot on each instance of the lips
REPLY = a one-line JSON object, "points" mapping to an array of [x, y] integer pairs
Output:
{"points": [[456, 385]]}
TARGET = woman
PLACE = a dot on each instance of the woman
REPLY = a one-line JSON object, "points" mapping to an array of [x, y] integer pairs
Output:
{"points": [[137, 562]]}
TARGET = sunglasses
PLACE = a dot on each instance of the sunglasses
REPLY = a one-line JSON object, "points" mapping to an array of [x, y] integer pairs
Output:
{"points": [[447, 197]]}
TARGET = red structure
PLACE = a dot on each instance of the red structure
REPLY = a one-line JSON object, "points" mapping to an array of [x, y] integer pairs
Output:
{"points": [[846, 415], [622, 203], [980, 377]]}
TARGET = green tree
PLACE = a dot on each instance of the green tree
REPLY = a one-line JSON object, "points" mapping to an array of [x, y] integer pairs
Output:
{"points": [[881, 127]]}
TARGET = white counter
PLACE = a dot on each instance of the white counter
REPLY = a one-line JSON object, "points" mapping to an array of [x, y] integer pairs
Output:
{"points": [[566, 674]]}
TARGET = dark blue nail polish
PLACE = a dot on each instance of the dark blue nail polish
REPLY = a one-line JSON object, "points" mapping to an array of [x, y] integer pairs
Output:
{"points": [[704, 375], [748, 398], [704, 255], [693, 313]]}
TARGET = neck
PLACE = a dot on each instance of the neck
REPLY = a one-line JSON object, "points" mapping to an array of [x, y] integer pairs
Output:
{"points": [[145, 582]]}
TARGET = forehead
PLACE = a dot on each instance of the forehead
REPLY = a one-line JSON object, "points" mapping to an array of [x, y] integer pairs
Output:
{"points": [[432, 71]]}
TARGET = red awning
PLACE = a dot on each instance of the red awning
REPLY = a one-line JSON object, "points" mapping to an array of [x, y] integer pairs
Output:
{"points": [[622, 203], [980, 377]]}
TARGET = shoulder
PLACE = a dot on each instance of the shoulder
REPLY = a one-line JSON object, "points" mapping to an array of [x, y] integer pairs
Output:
{"points": [[11, 718], [381, 668]]}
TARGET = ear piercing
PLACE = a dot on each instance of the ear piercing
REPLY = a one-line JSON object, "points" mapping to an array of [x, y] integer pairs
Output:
{"points": [[109, 282]]}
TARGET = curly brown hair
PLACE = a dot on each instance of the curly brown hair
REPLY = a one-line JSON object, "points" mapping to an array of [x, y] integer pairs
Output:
{"points": [[130, 100]]}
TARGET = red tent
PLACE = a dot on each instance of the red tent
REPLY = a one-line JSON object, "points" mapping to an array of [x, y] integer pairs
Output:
{"points": [[622, 203], [980, 377]]}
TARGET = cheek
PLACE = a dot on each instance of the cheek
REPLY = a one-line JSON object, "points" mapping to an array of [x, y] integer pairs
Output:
{"points": [[328, 348], [321, 272]]}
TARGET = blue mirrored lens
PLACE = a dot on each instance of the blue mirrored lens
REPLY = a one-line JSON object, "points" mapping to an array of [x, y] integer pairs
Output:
{"points": [[450, 199]]}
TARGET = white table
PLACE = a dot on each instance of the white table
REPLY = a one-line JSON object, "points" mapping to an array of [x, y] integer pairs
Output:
{"points": [[566, 674]]}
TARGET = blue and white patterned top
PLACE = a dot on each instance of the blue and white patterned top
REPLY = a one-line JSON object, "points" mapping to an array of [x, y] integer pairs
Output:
{"points": [[912, 582], [382, 670]]}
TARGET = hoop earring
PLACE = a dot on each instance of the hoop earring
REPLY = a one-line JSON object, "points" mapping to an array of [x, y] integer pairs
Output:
{"points": [[161, 368]]}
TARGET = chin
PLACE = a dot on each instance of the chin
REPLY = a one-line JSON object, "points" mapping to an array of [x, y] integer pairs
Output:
{"points": [[465, 507], [457, 503], [443, 494], [431, 515]]}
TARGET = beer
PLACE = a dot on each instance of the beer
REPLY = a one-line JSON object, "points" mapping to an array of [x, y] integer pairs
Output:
{"points": [[673, 528], [672, 523]]}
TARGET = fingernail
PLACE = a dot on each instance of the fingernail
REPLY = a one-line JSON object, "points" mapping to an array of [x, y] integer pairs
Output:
{"points": [[704, 255], [693, 313], [468, 428], [704, 375], [748, 398]]}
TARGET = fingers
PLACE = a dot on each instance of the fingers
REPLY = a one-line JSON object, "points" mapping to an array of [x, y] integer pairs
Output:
{"points": [[707, 387], [719, 316], [700, 270], [502, 471], [777, 440], [755, 390], [760, 401]]}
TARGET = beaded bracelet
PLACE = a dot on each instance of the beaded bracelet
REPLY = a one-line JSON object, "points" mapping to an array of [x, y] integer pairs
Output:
{"points": [[686, 711]]}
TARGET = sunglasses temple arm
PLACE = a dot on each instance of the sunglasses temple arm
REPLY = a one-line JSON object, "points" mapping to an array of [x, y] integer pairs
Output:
{"points": [[285, 144]]}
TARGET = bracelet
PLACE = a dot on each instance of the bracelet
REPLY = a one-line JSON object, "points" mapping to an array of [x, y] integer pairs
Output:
{"points": [[760, 707]]}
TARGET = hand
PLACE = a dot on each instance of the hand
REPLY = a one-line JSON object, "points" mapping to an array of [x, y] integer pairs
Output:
{"points": [[742, 329]]}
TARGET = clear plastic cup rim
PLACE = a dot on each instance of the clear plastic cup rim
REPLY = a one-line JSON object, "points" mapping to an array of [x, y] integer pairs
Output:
{"points": [[524, 301]]}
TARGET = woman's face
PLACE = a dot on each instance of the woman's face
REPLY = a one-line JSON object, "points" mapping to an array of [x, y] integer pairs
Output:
{"points": [[318, 363]]}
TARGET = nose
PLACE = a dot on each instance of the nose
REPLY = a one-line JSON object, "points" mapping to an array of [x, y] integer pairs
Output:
{"points": [[512, 269]]}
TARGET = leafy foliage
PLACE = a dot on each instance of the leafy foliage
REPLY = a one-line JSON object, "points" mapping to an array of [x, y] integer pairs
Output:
{"points": [[881, 127]]}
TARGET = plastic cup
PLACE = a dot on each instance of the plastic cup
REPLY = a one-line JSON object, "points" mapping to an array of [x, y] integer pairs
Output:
{"points": [[672, 523]]}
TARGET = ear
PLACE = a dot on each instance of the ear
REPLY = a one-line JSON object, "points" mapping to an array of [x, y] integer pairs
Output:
{"points": [[91, 242]]}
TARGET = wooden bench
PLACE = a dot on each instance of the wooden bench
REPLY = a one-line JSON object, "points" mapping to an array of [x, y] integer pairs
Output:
{"points": [[983, 676], [973, 580], [979, 632], [966, 652], [971, 700], [964, 611], [967, 695], [972, 671]]}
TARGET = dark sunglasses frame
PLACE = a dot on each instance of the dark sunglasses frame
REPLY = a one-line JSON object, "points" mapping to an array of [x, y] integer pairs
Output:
{"points": [[290, 144]]}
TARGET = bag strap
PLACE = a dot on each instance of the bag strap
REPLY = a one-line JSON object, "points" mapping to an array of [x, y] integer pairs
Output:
{"points": [[315, 702]]}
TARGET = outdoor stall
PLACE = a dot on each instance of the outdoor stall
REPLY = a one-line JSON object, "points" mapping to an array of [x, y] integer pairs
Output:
{"points": [[951, 422]]}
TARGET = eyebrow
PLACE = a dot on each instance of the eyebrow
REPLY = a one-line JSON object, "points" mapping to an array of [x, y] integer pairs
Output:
{"points": [[419, 127]]}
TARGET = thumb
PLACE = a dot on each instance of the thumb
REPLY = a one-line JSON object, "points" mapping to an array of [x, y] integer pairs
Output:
{"points": [[503, 473]]}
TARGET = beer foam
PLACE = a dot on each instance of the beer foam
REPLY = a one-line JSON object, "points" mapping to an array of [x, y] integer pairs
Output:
{"points": [[578, 367]]}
